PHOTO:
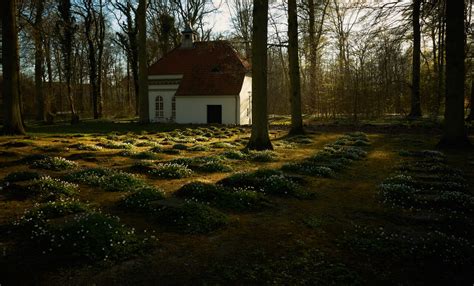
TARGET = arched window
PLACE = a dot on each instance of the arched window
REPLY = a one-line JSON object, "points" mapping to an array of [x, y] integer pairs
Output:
{"points": [[173, 108], [159, 107]]}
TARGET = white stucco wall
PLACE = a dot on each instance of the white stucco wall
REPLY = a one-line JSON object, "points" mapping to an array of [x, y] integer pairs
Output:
{"points": [[246, 102], [167, 91], [193, 109]]}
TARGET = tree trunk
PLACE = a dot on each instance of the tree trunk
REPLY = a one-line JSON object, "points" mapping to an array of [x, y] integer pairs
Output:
{"points": [[38, 41], [455, 135], [294, 70], [470, 118], [142, 59], [259, 139], [12, 122], [415, 90]]}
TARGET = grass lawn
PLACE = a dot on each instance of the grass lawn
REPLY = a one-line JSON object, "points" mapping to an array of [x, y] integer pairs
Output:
{"points": [[121, 204]]}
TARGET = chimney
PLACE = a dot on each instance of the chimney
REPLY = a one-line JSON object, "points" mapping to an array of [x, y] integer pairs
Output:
{"points": [[188, 37]]}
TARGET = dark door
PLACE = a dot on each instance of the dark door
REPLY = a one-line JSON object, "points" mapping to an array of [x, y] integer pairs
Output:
{"points": [[214, 114]]}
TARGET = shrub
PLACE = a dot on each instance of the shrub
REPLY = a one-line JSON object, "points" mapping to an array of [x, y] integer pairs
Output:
{"points": [[108, 179], [218, 196], [115, 145], [140, 199], [262, 156], [47, 188], [21, 176], [145, 155], [91, 176], [309, 168], [170, 171], [272, 182], [51, 210], [84, 147], [235, 155], [171, 151], [121, 182], [86, 235], [198, 148], [192, 218], [208, 164], [54, 164], [222, 145], [180, 147]]}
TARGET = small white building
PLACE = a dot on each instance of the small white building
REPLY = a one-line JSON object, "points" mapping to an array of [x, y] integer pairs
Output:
{"points": [[200, 83]]}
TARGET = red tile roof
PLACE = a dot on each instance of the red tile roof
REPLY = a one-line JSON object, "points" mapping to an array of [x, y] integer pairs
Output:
{"points": [[210, 68]]}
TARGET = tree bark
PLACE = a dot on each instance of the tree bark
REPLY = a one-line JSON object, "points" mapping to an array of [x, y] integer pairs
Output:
{"points": [[470, 118], [12, 122], [259, 139], [294, 70], [38, 41], [415, 89], [142, 59], [455, 135]]}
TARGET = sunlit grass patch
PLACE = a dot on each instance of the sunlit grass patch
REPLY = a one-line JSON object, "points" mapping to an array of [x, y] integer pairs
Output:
{"points": [[115, 145], [85, 147], [54, 164], [218, 196]]}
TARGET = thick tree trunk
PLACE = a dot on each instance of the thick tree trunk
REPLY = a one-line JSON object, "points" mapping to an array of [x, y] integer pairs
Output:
{"points": [[12, 122], [259, 139], [470, 118], [294, 70], [455, 135], [142, 58], [415, 90], [38, 41]]}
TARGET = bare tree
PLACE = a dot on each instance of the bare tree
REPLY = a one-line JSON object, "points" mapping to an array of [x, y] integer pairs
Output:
{"points": [[143, 67], [259, 139], [12, 121], [294, 69], [415, 94], [455, 135], [67, 30]]}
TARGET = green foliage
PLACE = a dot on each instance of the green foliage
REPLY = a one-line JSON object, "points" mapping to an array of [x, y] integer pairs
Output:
{"points": [[198, 148], [234, 154], [207, 164], [427, 183], [21, 176], [170, 171], [180, 147], [49, 189], [115, 145], [262, 156], [309, 168], [192, 218], [83, 234], [108, 179], [267, 181], [54, 164], [140, 199], [218, 196], [84, 147]]}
